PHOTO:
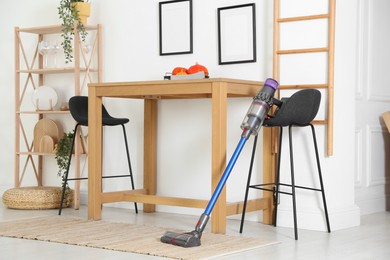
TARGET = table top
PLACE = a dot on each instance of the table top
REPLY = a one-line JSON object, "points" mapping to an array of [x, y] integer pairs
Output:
{"points": [[168, 89]]}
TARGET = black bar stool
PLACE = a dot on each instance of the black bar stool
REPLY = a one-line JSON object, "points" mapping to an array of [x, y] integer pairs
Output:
{"points": [[297, 111], [78, 106]]}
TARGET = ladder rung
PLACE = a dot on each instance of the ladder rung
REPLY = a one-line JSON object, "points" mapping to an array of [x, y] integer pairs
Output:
{"points": [[319, 122], [303, 86], [295, 51], [303, 18]]}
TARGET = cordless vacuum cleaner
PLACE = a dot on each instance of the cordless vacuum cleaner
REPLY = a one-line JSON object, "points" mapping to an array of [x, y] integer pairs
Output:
{"points": [[251, 126]]}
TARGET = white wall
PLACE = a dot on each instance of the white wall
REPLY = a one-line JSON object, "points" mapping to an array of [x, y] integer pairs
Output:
{"points": [[372, 175], [130, 52]]}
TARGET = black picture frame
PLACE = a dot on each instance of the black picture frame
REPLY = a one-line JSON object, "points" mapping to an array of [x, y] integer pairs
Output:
{"points": [[175, 27], [237, 34]]}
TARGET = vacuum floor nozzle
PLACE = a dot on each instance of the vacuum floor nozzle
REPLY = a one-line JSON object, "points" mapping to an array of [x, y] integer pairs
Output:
{"points": [[189, 239]]}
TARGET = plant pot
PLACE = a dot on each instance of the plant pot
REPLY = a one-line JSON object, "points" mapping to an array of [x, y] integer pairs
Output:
{"points": [[84, 10]]}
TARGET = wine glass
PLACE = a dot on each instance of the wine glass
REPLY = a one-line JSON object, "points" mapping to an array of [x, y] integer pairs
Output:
{"points": [[43, 48], [54, 49]]}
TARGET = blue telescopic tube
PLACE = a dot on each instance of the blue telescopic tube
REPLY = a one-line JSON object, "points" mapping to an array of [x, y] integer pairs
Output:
{"points": [[225, 176]]}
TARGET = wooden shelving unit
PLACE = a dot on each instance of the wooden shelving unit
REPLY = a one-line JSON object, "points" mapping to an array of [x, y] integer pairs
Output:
{"points": [[29, 66]]}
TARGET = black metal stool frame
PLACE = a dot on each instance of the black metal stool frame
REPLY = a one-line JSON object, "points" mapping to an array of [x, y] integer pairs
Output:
{"points": [[66, 179], [277, 184]]}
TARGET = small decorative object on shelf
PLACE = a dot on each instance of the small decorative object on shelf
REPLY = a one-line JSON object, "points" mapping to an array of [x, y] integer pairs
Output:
{"points": [[44, 98], [46, 49], [73, 14], [54, 48], [43, 48], [46, 135], [64, 106]]}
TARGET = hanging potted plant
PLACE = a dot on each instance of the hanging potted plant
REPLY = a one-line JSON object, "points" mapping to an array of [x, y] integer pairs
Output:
{"points": [[73, 14], [62, 152]]}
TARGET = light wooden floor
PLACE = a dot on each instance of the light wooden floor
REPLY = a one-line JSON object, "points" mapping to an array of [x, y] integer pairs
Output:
{"points": [[371, 240]]}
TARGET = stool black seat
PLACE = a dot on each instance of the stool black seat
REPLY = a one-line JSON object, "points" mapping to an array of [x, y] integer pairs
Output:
{"points": [[297, 111], [78, 106]]}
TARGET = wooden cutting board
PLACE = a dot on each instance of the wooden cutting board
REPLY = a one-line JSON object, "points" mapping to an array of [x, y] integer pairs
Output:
{"points": [[45, 127], [46, 144]]}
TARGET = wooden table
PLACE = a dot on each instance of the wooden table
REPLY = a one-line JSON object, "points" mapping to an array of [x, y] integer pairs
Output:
{"points": [[219, 90]]}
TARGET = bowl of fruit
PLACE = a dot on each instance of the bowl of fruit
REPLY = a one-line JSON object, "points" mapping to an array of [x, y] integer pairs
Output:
{"points": [[196, 71]]}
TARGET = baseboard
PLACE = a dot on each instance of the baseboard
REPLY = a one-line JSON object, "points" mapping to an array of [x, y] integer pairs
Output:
{"points": [[374, 205], [83, 198], [315, 219]]}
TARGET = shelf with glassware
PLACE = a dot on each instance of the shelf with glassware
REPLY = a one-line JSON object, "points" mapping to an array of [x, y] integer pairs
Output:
{"points": [[38, 63], [55, 70]]}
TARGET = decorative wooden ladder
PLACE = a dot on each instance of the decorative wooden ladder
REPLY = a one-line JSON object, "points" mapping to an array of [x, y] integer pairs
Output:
{"points": [[269, 158], [324, 49]]}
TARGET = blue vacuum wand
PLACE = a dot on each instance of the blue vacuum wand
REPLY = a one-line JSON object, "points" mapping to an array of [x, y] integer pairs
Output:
{"points": [[251, 125]]}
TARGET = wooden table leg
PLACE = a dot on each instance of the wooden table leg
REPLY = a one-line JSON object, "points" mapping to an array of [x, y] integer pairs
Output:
{"points": [[219, 104], [150, 150], [268, 173], [95, 155]]}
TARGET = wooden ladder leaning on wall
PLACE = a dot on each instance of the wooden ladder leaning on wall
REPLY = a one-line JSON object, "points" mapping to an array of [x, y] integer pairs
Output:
{"points": [[269, 155]]}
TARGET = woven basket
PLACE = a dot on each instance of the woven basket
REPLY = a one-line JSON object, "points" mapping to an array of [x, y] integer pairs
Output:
{"points": [[36, 198]]}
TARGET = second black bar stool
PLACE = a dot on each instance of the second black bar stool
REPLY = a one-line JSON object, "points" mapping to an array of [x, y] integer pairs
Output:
{"points": [[297, 111]]}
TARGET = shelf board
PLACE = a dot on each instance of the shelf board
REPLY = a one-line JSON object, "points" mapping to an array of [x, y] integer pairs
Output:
{"points": [[41, 154], [56, 112], [53, 70], [51, 29], [35, 153]]}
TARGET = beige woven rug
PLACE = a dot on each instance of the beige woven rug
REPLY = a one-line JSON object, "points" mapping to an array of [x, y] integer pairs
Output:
{"points": [[139, 239]]}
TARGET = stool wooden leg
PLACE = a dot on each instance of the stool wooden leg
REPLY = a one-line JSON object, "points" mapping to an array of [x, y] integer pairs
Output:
{"points": [[293, 183]]}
